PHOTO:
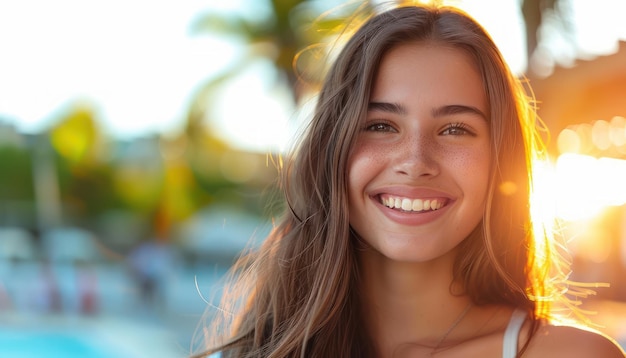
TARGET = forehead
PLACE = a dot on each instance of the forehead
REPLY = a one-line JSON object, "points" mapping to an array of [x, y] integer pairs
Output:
{"points": [[423, 71]]}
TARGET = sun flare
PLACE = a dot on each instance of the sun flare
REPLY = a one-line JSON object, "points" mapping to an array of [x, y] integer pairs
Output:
{"points": [[577, 187]]}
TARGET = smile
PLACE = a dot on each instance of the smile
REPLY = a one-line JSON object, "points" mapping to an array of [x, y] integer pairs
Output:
{"points": [[413, 205]]}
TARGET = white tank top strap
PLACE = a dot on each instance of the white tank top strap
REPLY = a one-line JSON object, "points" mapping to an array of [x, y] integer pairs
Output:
{"points": [[509, 345]]}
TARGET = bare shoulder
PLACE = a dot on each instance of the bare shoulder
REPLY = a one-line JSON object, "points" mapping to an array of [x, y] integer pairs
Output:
{"points": [[572, 342]]}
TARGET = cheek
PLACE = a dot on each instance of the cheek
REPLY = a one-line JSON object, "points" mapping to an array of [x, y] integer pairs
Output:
{"points": [[364, 160], [473, 167]]}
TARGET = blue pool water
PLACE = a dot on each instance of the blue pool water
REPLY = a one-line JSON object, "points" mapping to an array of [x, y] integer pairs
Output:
{"points": [[51, 344]]}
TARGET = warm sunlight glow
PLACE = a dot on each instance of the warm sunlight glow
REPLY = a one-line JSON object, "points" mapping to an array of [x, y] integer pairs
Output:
{"points": [[568, 141], [583, 191], [579, 191], [543, 201], [542, 216], [577, 187], [590, 240], [598, 136], [618, 130]]}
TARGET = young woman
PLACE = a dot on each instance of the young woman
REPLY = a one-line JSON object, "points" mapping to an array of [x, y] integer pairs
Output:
{"points": [[408, 231]]}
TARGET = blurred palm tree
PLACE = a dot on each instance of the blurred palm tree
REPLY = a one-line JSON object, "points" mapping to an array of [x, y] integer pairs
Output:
{"points": [[291, 37], [289, 27], [291, 32]]}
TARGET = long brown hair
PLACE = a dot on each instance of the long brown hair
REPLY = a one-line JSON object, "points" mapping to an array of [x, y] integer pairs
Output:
{"points": [[296, 295]]}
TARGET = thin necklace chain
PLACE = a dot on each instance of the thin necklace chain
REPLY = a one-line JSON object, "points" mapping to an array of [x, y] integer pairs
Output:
{"points": [[452, 327]]}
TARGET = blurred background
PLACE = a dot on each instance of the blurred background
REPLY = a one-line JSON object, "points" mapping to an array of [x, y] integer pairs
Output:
{"points": [[140, 141]]}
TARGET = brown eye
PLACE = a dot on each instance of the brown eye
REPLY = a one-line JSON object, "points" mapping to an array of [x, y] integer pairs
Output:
{"points": [[379, 127], [456, 129]]}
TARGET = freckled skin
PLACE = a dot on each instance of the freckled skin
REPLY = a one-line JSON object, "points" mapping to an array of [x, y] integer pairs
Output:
{"points": [[403, 152]]}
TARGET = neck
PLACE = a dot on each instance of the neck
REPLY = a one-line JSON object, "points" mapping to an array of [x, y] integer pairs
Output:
{"points": [[408, 303]]}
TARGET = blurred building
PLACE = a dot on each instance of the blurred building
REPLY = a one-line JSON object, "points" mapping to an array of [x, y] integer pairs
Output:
{"points": [[589, 91]]}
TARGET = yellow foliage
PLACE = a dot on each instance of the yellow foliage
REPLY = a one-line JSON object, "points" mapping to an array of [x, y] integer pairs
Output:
{"points": [[138, 188], [76, 136]]}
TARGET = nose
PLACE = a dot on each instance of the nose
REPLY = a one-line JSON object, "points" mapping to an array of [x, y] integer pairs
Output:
{"points": [[416, 157]]}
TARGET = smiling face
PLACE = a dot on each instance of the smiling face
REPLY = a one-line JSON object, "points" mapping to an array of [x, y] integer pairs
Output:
{"points": [[419, 171]]}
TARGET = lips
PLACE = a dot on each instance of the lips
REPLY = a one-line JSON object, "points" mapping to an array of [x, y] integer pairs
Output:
{"points": [[412, 204]]}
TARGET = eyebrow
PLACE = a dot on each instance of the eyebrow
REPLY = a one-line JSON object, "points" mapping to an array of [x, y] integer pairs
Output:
{"points": [[452, 109], [394, 108], [457, 109]]}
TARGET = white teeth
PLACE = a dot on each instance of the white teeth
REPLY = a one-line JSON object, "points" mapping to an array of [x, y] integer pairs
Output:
{"points": [[406, 204], [412, 204]]}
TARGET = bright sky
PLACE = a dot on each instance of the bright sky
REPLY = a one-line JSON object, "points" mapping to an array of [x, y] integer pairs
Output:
{"points": [[134, 59], [137, 61]]}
